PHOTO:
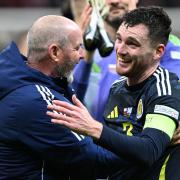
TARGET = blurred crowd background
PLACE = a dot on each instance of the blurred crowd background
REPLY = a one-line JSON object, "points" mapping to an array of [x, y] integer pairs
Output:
{"points": [[16, 16], [55, 3]]}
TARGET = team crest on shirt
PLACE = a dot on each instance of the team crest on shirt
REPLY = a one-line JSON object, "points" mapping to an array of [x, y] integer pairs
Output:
{"points": [[139, 109]]}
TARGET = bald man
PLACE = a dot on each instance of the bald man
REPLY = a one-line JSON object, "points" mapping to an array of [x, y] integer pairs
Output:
{"points": [[31, 147]]}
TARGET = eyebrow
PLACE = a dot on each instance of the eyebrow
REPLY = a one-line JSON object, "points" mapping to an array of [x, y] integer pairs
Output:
{"points": [[133, 39], [118, 35]]}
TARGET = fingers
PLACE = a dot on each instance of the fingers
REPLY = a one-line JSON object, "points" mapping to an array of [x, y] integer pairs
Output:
{"points": [[59, 119], [67, 105], [63, 120], [176, 142], [65, 108], [177, 130], [85, 18], [60, 110], [77, 102], [177, 133], [87, 9], [175, 139], [176, 136], [64, 104], [57, 116]]}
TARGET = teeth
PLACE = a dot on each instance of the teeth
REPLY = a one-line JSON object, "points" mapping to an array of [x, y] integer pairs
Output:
{"points": [[120, 58]]}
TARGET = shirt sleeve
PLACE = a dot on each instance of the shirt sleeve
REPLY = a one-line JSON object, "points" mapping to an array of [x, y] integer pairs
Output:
{"points": [[63, 148], [144, 149], [161, 119], [161, 109]]}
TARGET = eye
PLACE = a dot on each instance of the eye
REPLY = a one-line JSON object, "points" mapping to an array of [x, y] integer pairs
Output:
{"points": [[118, 40], [79, 47], [133, 45]]}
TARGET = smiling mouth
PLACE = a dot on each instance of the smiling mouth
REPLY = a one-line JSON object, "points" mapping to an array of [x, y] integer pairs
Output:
{"points": [[120, 59]]}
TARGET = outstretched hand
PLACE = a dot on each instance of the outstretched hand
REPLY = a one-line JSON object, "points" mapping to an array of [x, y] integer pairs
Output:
{"points": [[85, 18], [76, 117]]}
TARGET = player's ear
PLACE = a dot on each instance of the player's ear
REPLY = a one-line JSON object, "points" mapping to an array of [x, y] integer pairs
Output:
{"points": [[159, 51], [53, 51]]}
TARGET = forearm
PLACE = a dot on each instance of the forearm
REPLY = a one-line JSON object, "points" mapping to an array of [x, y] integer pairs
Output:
{"points": [[145, 149], [108, 163]]}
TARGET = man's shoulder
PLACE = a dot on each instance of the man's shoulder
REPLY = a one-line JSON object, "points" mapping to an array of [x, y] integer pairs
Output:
{"points": [[35, 93], [163, 87], [163, 81]]}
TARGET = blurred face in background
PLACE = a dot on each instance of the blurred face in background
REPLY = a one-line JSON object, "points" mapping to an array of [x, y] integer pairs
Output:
{"points": [[117, 8]]}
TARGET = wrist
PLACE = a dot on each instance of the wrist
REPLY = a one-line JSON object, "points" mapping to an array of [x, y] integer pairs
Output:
{"points": [[96, 130]]}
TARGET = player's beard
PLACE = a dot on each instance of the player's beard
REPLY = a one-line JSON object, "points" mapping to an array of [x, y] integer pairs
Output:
{"points": [[115, 22], [65, 70]]}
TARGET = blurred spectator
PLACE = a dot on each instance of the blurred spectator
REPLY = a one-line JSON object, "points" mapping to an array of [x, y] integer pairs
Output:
{"points": [[66, 9], [164, 3], [66, 3], [31, 3]]}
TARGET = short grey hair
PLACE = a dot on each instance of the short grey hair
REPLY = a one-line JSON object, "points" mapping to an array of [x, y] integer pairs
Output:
{"points": [[45, 31]]}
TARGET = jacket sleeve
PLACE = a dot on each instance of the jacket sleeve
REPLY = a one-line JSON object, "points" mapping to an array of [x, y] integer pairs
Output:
{"points": [[81, 78], [144, 149], [57, 144]]}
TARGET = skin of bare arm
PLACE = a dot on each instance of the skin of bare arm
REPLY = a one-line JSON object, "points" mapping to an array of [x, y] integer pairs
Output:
{"points": [[83, 23], [176, 136]]}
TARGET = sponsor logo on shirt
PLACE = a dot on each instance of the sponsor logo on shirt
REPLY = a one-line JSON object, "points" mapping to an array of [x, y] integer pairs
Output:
{"points": [[114, 113], [166, 111]]}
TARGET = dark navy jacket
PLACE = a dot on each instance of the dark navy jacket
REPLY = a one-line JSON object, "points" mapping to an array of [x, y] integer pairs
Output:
{"points": [[31, 147]]}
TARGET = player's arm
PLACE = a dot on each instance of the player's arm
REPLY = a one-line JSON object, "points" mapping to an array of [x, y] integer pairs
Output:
{"points": [[145, 148], [65, 149]]}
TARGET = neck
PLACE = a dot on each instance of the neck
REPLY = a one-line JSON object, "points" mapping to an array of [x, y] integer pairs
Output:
{"points": [[131, 81], [42, 67]]}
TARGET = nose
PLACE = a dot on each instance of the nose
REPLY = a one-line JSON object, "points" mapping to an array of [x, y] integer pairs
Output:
{"points": [[120, 48], [112, 1], [81, 53]]}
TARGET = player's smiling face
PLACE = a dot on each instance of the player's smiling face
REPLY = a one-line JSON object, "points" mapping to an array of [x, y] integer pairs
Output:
{"points": [[134, 51]]}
